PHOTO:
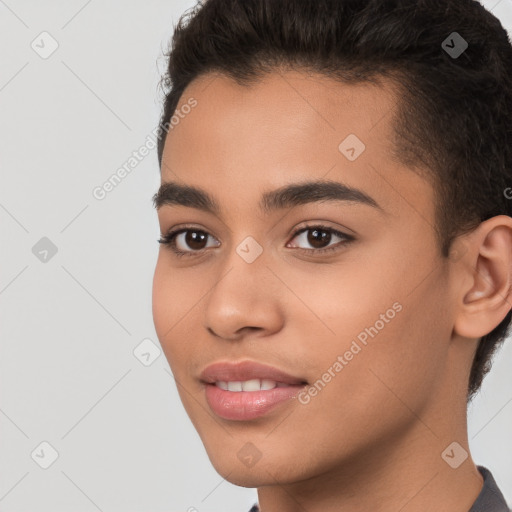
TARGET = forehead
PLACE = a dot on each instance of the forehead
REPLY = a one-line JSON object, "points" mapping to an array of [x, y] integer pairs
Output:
{"points": [[289, 127], [288, 108]]}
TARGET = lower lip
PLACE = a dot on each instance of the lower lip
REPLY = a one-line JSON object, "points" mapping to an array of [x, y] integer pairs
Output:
{"points": [[247, 405]]}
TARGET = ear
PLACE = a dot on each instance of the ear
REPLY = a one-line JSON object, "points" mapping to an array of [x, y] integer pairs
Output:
{"points": [[485, 269]]}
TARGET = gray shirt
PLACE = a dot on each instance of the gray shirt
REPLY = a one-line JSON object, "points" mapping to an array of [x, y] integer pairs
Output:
{"points": [[490, 498]]}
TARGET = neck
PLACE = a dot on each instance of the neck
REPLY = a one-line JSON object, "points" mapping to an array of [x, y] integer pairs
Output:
{"points": [[390, 478]]}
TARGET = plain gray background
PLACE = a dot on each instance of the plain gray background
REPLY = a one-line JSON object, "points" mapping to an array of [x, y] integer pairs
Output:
{"points": [[70, 321]]}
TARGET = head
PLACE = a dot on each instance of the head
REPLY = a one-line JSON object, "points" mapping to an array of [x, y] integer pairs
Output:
{"points": [[359, 100]]}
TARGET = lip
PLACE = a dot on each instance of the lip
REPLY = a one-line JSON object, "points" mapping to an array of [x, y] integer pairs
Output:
{"points": [[246, 370], [247, 405]]}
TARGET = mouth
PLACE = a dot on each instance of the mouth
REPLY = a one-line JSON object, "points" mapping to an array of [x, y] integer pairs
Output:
{"points": [[247, 390], [250, 385]]}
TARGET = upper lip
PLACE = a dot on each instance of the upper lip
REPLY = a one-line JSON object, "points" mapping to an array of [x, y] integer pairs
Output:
{"points": [[246, 370]]}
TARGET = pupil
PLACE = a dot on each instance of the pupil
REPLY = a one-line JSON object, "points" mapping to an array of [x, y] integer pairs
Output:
{"points": [[192, 238], [316, 241]]}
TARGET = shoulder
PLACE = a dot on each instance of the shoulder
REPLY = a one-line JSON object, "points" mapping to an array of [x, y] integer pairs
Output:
{"points": [[490, 498]]}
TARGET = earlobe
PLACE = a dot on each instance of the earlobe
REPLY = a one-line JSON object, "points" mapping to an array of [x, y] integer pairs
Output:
{"points": [[487, 267]]}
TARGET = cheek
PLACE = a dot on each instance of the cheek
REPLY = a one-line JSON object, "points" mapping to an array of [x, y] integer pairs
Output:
{"points": [[172, 298], [161, 300], [388, 326], [175, 294], [340, 302]]}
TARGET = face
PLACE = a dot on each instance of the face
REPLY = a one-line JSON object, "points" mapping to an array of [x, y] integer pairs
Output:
{"points": [[338, 288]]}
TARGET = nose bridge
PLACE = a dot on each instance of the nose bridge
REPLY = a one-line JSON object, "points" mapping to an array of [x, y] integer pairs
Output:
{"points": [[244, 272], [244, 295]]}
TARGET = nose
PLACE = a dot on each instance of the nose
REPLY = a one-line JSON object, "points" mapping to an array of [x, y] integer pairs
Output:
{"points": [[247, 298]]}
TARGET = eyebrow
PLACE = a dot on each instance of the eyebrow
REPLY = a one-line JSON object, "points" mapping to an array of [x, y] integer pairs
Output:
{"points": [[288, 196]]}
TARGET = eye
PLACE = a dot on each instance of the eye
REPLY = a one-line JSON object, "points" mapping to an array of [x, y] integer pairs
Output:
{"points": [[319, 235], [178, 240], [187, 241]]}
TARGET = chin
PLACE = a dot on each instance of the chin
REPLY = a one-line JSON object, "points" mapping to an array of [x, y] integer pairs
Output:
{"points": [[250, 478], [255, 473]]}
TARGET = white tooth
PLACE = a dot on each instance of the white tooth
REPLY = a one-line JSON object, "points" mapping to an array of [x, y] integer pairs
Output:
{"points": [[251, 385], [235, 386], [268, 384], [222, 385]]}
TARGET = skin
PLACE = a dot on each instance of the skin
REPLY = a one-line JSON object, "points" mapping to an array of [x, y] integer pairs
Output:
{"points": [[372, 438]]}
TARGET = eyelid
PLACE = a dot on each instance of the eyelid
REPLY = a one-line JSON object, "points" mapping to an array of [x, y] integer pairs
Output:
{"points": [[346, 238], [169, 239], [308, 224]]}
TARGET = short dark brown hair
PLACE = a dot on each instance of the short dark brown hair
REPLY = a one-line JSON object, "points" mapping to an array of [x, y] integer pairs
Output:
{"points": [[454, 115]]}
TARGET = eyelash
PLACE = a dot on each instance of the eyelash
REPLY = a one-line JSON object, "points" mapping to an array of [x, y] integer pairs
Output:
{"points": [[169, 240]]}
